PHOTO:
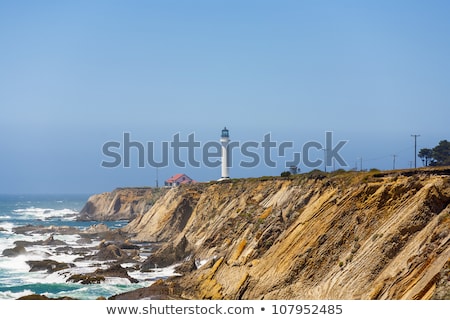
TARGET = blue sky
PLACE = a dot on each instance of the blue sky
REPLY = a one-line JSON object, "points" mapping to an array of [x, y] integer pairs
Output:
{"points": [[77, 74]]}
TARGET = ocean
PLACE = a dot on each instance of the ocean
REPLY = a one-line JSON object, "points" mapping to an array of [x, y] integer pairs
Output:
{"points": [[54, 210]]}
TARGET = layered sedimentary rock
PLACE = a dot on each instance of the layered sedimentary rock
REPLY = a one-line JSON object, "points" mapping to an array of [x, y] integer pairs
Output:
{"points": [[347, 235], [120, 204]]}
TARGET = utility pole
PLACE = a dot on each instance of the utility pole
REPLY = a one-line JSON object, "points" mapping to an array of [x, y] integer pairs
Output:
{"points": [[415, 148], [325, 159], [360, 162], [393, 164], [157, 186]]}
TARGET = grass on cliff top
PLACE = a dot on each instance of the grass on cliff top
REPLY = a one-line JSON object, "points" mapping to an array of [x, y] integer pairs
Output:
{"points": [[349, 176], [314, 174]]}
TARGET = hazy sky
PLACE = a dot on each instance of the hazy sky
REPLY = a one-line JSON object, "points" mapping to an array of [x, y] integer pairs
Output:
{"points": [[77, 74]]}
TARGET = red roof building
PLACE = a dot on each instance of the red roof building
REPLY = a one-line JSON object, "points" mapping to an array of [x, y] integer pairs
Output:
{"points": [[178, 179]]}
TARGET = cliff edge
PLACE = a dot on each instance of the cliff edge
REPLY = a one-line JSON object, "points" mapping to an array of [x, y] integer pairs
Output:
{"points": [[120, 204], [344, 235]]}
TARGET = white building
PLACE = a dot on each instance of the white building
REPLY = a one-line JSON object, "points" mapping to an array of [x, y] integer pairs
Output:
{"points": [[224, 140]]}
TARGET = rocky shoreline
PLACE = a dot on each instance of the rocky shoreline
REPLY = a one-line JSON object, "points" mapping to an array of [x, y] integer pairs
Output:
{"points": [[114, 249]]}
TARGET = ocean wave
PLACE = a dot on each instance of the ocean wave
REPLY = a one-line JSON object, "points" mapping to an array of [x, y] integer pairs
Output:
{"points": [[21, 282], [45, 213], [117, 281], [93, 291], [6, 226], [16, 280], [13, 295], [19, 264]]}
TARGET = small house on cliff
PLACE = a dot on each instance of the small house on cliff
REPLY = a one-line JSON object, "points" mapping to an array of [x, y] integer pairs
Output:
{"points": [[177, 180]]}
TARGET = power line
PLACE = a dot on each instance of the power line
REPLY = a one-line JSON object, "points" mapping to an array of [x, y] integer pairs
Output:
{"points": [[388, 155]]}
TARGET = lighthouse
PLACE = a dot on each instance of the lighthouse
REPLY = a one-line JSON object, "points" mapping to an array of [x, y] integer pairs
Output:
{"points": [[224, 139]]}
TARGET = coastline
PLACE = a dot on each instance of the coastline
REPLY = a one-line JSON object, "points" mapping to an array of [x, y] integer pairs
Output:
{"points": [[343, 235]]}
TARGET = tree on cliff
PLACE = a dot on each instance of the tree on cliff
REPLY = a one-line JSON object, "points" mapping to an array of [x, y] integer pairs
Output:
{"points": [[441, 153], [426, 155], [438, 156]]}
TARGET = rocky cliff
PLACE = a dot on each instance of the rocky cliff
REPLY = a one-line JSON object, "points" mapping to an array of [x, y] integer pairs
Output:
{"points": [[120, 204], [347, 235]]}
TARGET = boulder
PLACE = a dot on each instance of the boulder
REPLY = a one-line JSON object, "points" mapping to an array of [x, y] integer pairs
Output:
{"points": [[26, 229], [14, 252], [86, 279], [116, 271], [84, 241], [40, 229], [24, 243], [97, 228], [100, 275], [186, 266], [111, 252], [43, 297], [167, 255], [51, 241], [48, 265]]}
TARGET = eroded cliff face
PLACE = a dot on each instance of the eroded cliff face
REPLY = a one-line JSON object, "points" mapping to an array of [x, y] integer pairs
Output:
{"points": [[342, 236], [120, 204]]}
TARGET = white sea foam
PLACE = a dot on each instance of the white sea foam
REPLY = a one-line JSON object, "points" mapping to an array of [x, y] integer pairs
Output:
{"points": [[18, 264], [15, 270], [70, 239], [155, 273], [7, 226], [14, 295], [45, 213], [116, 280], [19, 273], [90, 292]]}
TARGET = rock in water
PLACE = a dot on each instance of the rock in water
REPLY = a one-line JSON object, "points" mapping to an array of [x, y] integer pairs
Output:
{"points": [[51, 241], [99, 275], [167, 255], [14, 252], [111, 252], [48, 265]]}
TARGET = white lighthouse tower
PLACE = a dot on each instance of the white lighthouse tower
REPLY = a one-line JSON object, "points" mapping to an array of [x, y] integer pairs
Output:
{"points": [[224, 139]]}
